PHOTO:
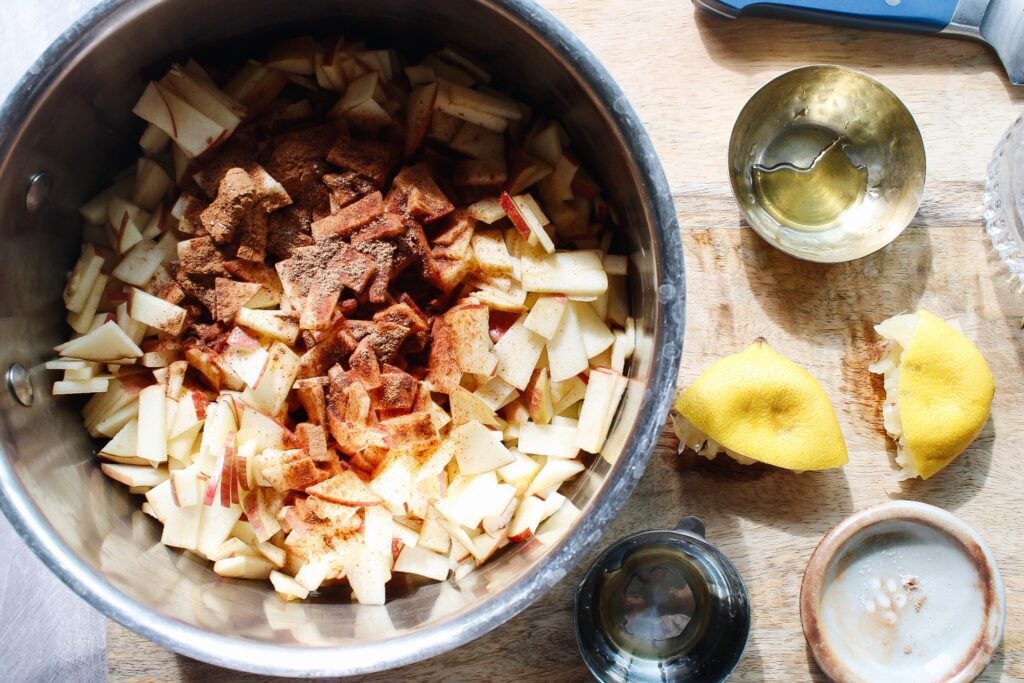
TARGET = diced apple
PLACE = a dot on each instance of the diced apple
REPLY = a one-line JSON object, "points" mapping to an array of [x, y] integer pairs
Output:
{"points": [[546, 145], [152, 432], [468, 498], [555, 527], [243, 567], [567, 355], [83, 321], [478, 449], [546, 314], [367, 572], [420, 107], [487, 211], [527, 519], [474, 351], [135, 475], [123, 448], [604, 390], [151, 183], [433, 535], [272, 324], [261, 428], [262, 519], [538, 397], [155, 312], [346, 488], [554, 440], [485, 102], [466, 407], [193, 132], [271, 391], [161, 500], [216, 525], [596, 335], [553, 473], [496, 393], [153, 140], [474, 141], [87, 386], [393, 479], [249, 365], [287, 587], [138, 266], [572, 273], [521, 471], [518, 352], [421, 561], [493, 524], [567, 393], [528, 218], [181, 524], [185, 486], [82, 278]]}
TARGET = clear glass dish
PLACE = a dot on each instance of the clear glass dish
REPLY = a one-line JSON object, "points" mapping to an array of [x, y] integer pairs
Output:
{"points": [[1004, 202]]}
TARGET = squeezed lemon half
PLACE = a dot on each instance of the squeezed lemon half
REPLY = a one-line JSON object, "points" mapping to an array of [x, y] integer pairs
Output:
{"points": [[759, 406], [938, 389]]}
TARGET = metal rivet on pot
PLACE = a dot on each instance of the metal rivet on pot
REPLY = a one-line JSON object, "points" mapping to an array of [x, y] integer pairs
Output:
{"points": [[39, 186], [19, 384]]}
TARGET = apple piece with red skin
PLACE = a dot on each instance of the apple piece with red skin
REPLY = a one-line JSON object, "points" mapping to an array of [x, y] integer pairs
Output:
{"points": [[527, 218], [219, 469], [555, 526], [527, 519], [193, 132], [538, 397], [264, 522]]}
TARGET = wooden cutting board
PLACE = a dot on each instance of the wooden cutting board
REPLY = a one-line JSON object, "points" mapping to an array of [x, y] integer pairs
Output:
{"points": [[688, 75]]}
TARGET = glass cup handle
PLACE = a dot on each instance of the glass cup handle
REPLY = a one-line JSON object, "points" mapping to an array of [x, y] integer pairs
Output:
{"points": [[691, 525]]}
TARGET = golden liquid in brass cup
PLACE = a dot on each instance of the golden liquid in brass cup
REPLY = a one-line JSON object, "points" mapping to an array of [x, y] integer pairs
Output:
{"points": [[826, 164], [815, 197]]}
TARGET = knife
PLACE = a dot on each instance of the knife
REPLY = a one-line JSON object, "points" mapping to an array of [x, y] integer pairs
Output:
{"points": [[1000, 23]]}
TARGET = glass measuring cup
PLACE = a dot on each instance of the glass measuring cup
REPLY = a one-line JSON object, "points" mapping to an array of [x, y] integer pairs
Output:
{"points": [[662, 605]]}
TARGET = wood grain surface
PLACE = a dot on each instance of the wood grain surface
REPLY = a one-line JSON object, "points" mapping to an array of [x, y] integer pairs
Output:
{"points": [[688, 75]]}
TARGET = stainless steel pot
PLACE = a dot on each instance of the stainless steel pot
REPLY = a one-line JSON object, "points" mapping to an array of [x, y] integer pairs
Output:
{"points": [[69, 119]]}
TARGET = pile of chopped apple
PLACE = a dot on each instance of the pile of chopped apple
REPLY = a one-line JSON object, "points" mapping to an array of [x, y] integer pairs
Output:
{"points": [[346, 317]]}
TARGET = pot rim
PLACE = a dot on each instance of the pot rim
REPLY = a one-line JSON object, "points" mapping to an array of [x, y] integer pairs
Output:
{"points": [[497, 608]]}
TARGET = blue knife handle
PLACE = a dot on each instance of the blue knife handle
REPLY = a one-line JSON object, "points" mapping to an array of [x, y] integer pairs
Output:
{"points": [[921, 16]]}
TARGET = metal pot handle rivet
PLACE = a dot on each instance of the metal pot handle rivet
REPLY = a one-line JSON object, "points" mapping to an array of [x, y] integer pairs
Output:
{"points": [[39, 186], [19, 384]]}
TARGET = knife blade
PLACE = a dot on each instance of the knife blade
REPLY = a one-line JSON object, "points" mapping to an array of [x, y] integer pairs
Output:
{"points": [[1000, 23]]}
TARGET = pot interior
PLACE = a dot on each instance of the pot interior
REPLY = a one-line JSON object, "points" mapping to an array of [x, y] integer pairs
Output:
{"points": [[80, 131]]}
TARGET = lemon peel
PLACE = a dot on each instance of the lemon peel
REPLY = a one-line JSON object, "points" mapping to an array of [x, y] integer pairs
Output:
{"points": [[939, 391], [759, 406]]}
